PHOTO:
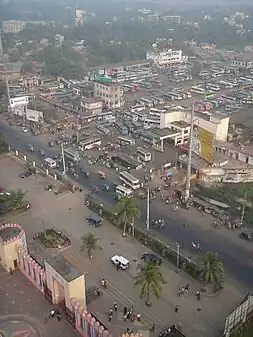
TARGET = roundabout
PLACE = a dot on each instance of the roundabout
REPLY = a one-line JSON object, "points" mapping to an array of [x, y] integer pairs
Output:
{"points": [[20, 326]]}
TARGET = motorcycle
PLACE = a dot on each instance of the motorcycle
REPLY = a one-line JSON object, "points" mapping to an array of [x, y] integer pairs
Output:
{"points": [[175, 208], [196, 246]]}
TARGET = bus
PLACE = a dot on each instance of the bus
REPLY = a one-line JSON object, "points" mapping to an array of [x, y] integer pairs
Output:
{"points": [[229, 98], [126, 140], [147, 102], [210, 94], [105, 115], [129, 180], [72, 156], [152, 122], [89, 143], [198, 90], [156, 112], [121, 128], [137, 108], [126, 192], [143, 154]]}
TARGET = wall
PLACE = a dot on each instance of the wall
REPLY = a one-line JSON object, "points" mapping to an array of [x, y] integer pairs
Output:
{"points": [[76, 289], [171, 116], [34, 115]]}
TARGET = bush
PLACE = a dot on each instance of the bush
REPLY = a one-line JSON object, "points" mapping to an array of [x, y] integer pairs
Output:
{"points": [[149, 240]]}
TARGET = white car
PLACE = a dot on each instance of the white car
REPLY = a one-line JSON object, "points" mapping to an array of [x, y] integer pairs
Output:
{"points": [[25, 130], [120, 261]]}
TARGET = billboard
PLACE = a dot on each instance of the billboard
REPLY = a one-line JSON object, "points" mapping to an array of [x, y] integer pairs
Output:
{"points": [[17, 102], [202, 143]]}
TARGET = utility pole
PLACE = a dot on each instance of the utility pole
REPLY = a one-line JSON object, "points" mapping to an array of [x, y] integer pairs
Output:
{"points": [[77, 130], [148, 211], [63, 160], [178, 255], [244, 204], [189, 164]]}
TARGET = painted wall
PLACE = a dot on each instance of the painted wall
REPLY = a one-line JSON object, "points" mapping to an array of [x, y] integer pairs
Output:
{"points": [[77, 290]]}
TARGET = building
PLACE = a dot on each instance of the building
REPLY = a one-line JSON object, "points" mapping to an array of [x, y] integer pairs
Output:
{"points": [[109, 93], [242, 61], [58, 40], [18, 105], [11, 236], [166, 58], [30, 82], [15, 26], [34, 116], [79, 17], [91, 105], [172, 19]]}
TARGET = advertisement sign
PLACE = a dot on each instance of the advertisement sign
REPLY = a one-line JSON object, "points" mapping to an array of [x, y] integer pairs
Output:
{"points": [[16, 102], [202, 143]]}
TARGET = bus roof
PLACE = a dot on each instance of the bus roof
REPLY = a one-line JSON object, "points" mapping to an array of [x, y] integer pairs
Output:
{"points": [[129, 176], [123, 188]]}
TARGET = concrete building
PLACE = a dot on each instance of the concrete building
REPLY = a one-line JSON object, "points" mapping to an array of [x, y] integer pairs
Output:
{"points": [[242, 61], [79, 17], [15, 26], [91, 105], [58, 40], [109, 93], [30, 82], [166, 58], [172, 19], [11, 236], [34, 116]]}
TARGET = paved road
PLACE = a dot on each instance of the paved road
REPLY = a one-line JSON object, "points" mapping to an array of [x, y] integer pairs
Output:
{"points": [[235, 256]]}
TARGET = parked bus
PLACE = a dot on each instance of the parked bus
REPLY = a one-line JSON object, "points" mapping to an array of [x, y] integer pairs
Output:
{"points": [[121, 128], [137, 108], [129, 180], [156, 112], [198, 90], [147, 102], [143, 154], [152, 122], [72, 156], [126, 140], [229, 98], [89, 143], [105, 115], [126, 192]]}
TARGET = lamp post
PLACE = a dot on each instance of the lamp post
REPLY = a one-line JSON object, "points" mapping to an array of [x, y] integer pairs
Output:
{"points": [[148, 211], [178, 255], [63, 160], [189, 164]]}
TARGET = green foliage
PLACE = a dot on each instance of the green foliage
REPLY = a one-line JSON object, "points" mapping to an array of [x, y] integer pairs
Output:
{"points": [[211, 269], [52, 239], [12, 202], [127, 211], [150, 279], [90, 243]]}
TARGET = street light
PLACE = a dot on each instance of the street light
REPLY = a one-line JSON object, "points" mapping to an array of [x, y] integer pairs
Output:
{"points": [[148, 211], [189, 164], [63, 160], [178, 255]]}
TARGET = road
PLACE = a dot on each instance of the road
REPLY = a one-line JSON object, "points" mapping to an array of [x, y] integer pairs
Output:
{"points": [[234, 255]]}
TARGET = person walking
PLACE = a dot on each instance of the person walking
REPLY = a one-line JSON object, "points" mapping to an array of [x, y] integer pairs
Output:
{"points": [[176, 308], [153, 327], [138, 316], [115, 306], [198, 294], [111, 311], [110, 318], [125, 310]]}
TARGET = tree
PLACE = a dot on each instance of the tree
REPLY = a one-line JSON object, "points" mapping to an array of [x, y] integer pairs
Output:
{"points": [[211, 269], [89, 242], [14, 201], [127, 211], [150, 279]]}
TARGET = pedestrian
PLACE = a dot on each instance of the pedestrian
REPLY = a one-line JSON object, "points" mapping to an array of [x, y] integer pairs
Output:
{"points": [[198, 295], [131, 310], [128, 315], [125, 317], [118, 266], [111, 311], [115, 306], [52, 313], [125, 311], [110, 318], [153, 327], [59, 316], [176, 308], [138, 317], [179, 293], [187, 287]]}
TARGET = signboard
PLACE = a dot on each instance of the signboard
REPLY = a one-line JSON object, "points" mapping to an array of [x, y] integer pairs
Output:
{"points": [[16, 102], [202, 143]]}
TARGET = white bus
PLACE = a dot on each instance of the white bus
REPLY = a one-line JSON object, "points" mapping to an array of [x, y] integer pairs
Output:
{"points": [[198, 90], [137, 108], [147, 102], [143, 154], [156, 112], [50, 162], [105, 115], [126, 140], [89, 143], [126, 192], [129, 180], [152, 122]]}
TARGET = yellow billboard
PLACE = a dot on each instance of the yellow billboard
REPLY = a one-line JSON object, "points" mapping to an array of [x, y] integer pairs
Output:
{"points": [[202, 143]]}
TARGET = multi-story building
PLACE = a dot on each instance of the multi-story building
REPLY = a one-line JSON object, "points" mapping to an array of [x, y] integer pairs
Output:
{"points": [[79, 17], [166, 58], [109, 93], [58, 40], [91, 105], [14, 26], [172, 19], [242, 61]]}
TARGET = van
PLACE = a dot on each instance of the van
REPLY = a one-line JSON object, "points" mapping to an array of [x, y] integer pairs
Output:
{"points": [[50, 163], [123, 191]]}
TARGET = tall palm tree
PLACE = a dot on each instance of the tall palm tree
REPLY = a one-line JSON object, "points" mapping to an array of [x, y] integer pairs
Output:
{"points": [[127, 211], [89, 242], [150, 279], [211, 268]]}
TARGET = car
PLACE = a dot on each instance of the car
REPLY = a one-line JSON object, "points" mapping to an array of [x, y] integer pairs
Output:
{"points": [[150, 257], [120, 262], [94, 220], [246, 236]]}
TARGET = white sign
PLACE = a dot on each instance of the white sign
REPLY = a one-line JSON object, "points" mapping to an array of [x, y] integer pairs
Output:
{"points": [[19, 101]]}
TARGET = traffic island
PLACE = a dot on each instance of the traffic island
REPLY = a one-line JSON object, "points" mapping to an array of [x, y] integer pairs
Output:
{"points": [[53, 239]]}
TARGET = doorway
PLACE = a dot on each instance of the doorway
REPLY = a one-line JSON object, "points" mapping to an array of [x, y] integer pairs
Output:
{"points": [[15, 263]]}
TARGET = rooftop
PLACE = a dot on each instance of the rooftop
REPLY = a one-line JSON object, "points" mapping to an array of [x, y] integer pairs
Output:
{"points": [[64, 268], [181, 124], [164, 132], [8, 233]]}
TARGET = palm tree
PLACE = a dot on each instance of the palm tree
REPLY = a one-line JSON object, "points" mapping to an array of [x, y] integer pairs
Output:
{"points": [[211, 269], [150, 278], [89, 242], [127, 211]]}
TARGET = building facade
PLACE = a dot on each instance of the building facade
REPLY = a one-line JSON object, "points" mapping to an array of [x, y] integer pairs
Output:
{"points": [[91, 105], [109, 93], [242, 62], [166, 58], [58, 40], [15, 26]]}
